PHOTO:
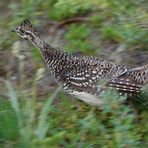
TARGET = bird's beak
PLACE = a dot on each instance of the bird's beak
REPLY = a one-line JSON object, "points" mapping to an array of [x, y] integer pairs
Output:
{"points": [[13, 30]]}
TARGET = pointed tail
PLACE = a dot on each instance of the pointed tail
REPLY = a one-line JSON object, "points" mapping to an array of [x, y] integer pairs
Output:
{"points": [[140, 74]]}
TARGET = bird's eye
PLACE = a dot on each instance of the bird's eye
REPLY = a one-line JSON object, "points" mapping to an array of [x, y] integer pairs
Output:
{"points": [[22, 31]]}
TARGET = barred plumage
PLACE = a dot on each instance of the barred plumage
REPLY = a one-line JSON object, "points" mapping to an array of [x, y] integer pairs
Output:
{"points": [[81, 75]]}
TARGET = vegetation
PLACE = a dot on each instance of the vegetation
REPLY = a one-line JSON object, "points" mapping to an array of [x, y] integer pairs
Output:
{"points": [[34, 111]]}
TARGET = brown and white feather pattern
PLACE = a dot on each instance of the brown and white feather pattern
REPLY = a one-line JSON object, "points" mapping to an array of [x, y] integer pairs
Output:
{"points": [[81, 75], [131, 82]]}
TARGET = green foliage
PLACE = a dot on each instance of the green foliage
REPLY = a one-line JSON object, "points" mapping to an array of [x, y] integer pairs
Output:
{"points": [[26, 121], [111, 33], [36, 54], [132, 35], [8, 123], [61, 125], [78, 39], [67, 8], [28, 8], [126, 22], [122, 121]]}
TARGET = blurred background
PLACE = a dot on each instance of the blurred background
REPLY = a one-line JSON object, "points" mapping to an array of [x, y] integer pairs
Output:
{"points": [[34, 112]]}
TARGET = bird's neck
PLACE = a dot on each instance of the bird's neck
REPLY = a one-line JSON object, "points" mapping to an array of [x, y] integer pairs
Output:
{"points": [[38, 42], [49, 53]]}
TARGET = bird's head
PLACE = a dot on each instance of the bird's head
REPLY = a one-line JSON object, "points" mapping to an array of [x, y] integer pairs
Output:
{"points": [[26, 30]]}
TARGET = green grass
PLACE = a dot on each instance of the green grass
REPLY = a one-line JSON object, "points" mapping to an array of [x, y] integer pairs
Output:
{"points": [[61, 125], [28, 121], [8, 123]]}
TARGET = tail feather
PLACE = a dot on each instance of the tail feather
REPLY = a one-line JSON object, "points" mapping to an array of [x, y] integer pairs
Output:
{"points": [[126, 85], [140, 74], [131, 82]]}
